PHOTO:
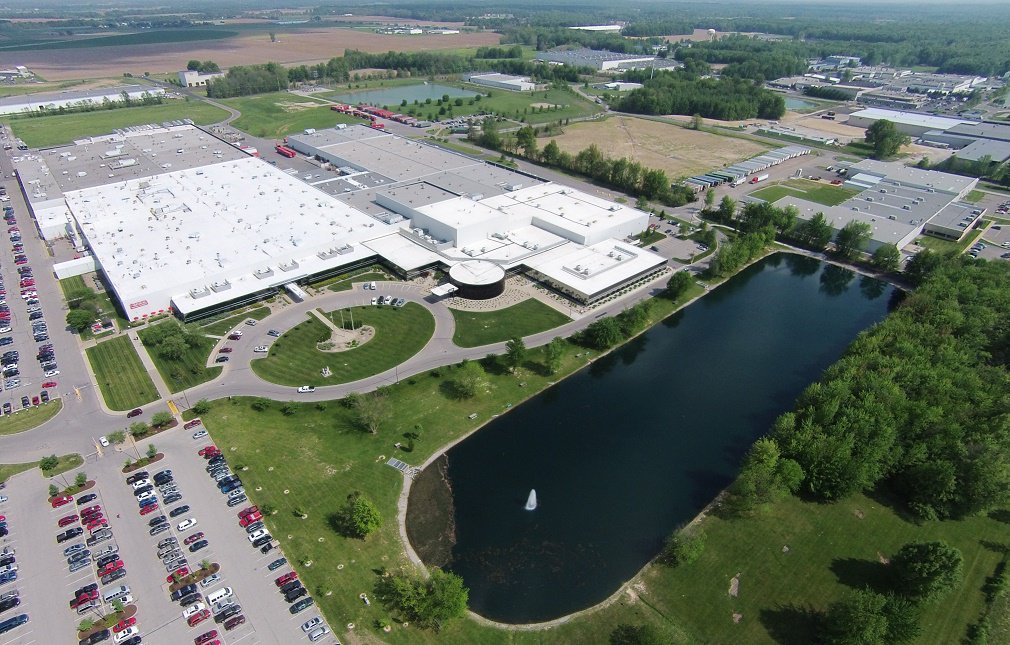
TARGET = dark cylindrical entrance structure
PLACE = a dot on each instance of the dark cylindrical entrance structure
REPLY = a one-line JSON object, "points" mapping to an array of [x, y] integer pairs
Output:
{"points": [[478, 279]]}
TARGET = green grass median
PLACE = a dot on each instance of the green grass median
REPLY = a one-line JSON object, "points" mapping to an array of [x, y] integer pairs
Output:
{"points": [[29, 418], [476, 328], [122, 379]]}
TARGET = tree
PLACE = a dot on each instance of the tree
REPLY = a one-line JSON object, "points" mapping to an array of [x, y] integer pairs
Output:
{"points": [[927, 570], [49, 463], [683, 547], [726, 210], [430, 603], [678, 284], [152, 450], [118, 606], [53, 490], [202, 406], [469, 380], [172, 348], [765, 476], [515, 352], [117, 437], [551, 153], [161, 419], [80, 319], [709, 199], [851, 240], [193, 65], [359, 516], [85, 624], [553, 352], [697, 122], [885, 139], [815, 233], [526, 138], [887, 257], [864, 617], [625, 634], [602, 334], [81, 479], [371, 411], [138, 429]]}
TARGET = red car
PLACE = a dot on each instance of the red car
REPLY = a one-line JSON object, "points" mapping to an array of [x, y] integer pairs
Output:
{"points": [[124, 624], [84, 598], [249, 519], [193, 538], [35, 400], [66, 521], [249, 511], [109, 568], [149, 509], [192, 424], [203, 451], [204, 638], [234, 622], [286, 578], [135, 412], [182, 573], [225, 350], [210, 454], [49, 384], [97, 524], [60, 501], [89, 510], [198, 618]]}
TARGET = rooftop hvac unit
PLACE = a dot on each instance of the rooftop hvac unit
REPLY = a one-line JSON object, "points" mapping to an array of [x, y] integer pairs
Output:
{"points": [[906, 207]]}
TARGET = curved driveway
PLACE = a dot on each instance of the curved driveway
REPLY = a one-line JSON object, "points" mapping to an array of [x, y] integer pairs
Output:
{"points": [[84, 416]]}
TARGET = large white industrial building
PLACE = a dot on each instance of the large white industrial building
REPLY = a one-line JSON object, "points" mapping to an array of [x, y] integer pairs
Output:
{"points": [[178, 220], [74, 98]]}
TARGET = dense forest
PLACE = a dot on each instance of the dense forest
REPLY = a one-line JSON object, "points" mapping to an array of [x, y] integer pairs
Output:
{"points": [[918, 403], [727, 99], [746, 57]]}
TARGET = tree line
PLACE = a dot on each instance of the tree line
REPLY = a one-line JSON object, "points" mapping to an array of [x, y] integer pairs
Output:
{"points": [[727, 99]]}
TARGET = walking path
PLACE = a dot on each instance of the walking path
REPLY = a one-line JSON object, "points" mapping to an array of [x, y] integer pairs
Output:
{"points": [[152, 370]]}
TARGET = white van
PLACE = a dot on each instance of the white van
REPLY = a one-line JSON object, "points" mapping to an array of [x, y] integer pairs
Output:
{"points": [[118, 592], [220, 594]]}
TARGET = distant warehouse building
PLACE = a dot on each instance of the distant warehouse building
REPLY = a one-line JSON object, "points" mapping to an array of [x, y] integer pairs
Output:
{"points": [[503, 82], [596, 58], [190, 78], [910, 123], [75, 98]]}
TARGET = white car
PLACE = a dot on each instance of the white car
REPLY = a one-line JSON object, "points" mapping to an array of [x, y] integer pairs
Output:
{"points": [[209, 580], [199, 434], [126, 634], [50, 373], [186, 524], [255, 535], [3, 498], [145, 495], [311, 624], [237, 332], [4, 330], [104, 441], [251, 322], [306, 389], [193, 609], [261, 349], [140, 483], [375, 301]]}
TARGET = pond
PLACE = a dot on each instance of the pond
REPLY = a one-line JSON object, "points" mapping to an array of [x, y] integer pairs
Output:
{"points": [[635, 445], [798, 104], [393, 96]]}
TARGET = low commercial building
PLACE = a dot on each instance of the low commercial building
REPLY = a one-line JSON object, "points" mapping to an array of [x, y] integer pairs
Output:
{"points": [[899, 203], [75, 98], [910, 123], [503, 82], [596, 58], [190, 78], [600, 28]]}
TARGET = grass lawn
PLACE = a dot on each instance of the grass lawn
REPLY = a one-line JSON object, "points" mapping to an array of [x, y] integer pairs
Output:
{"points": [[52, 130], [650, 237], [974, 196], [32, 417], [556, 104], [328, 453], [65, 463], [221, 326], [400, 332], [187, 371], [9, 470], [345, 284], [943, 246], [279, 114], [121, 376], [475, 328], [815, 191], [77, 285]]}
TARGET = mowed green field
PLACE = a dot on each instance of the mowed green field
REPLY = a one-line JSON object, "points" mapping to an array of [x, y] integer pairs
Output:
{"points": [[279, 114], [221, 326], [45, 131], [476, 328], [815, 191], [187, 371], [400, 332], [121, 376]]}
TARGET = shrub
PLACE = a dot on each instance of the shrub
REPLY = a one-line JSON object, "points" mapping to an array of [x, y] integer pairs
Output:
{"points": [[49, 463]]}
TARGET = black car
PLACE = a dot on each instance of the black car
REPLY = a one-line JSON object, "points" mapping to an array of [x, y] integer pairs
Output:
{"points": [[161, 519], [136, 477], [25, 403], [143, 489], [263, 540], [69, 534], [112, 557], [7, 559], [182, 593], [288, 586], [277, 564], [190, 598], [44, 395], [115, 575], [9, 603], [228, 613], [133, 640], [97, 637], [235, 501], [35, 315], [172, 499], [295, 594], [176, 512], [213, 461], [196, 546], [84, 499], [11, 623], [267, 548], [301, 605]]}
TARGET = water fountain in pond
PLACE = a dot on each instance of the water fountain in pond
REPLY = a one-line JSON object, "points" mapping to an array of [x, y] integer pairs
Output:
{"points": [[531, 501]]}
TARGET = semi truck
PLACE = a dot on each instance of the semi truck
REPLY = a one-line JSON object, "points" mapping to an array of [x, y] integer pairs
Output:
{"points": [[284, 151], [759, 178]]}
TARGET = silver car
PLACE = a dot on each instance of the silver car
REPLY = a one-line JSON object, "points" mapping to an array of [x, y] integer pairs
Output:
{"points": [[318, 633]]}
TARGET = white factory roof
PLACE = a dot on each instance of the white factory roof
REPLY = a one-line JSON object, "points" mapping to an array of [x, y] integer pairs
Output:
{"points": [[883, 230], [402, 252], [225, 219], [458, 212], [477, 272], [566, 208], [916, 177], [592, 269], [911, 118]]}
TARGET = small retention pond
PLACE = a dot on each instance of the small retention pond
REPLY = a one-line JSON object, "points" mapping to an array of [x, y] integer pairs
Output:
{"points": [[394, 96], [798, 104], [626, 450]]}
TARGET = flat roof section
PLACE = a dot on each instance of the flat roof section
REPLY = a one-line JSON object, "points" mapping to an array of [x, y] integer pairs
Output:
{"points": [[910, 118], [590, 270], [477, 272], [915, 177]]}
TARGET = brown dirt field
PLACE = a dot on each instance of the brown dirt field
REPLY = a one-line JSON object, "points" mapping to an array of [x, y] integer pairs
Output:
{"points": [[678, 151], [302, 46]]}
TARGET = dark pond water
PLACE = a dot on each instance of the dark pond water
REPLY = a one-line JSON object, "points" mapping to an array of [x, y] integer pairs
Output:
{"points": [[637, 444]]}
